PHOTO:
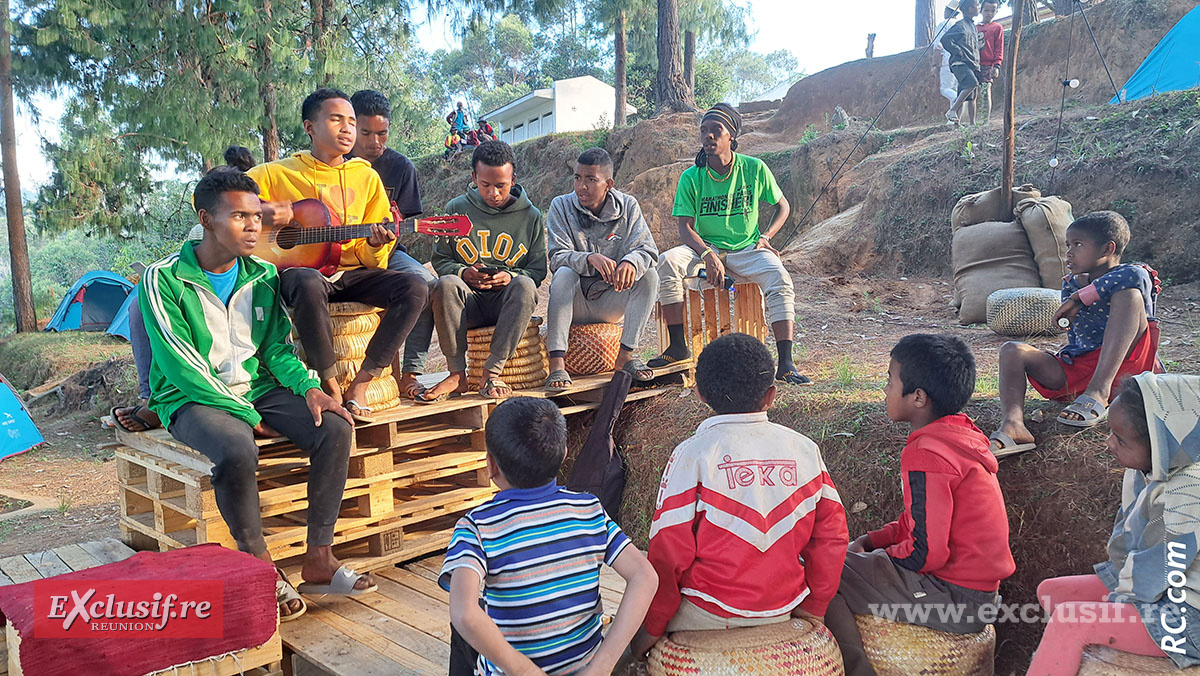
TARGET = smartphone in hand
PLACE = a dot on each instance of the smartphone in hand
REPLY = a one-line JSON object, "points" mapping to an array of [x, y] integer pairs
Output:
{"points": [[487, 270]]}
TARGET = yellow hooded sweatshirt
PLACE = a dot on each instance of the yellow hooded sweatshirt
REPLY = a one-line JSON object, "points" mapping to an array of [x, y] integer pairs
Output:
{"points": [[352, 190]]}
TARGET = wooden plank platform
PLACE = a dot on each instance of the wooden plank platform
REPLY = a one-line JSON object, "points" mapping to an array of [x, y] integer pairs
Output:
{"points": [[403, 629]]}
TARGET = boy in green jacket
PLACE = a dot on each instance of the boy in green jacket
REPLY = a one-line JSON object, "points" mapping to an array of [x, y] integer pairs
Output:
{"points": [[224, 371], [491, 277]]}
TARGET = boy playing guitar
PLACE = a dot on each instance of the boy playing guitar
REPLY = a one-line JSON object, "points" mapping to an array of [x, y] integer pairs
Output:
{"points": [[354, 194]]}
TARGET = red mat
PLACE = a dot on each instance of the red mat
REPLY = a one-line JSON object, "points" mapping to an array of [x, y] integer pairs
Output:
{"points": [[246, 604]]}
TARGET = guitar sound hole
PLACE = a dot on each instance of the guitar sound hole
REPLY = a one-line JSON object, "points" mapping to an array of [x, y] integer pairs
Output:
{"points": [[287, 237]]}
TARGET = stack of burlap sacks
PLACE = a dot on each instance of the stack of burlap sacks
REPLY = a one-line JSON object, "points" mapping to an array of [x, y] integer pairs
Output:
{"points": [[991, 251]]}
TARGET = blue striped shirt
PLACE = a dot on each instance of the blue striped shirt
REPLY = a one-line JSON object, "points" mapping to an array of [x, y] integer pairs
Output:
{"points": [[538, 552]]}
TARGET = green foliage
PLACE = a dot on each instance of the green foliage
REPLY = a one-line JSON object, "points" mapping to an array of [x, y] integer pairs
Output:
{"points": [[810, 134], [752, 73], [713, 82]]}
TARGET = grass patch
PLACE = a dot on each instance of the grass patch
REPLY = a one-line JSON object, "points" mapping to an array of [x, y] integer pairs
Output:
{"points": [[30, 359]]}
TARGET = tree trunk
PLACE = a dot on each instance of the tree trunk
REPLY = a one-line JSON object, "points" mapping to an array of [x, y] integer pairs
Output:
{"points": [[322, 11], [671, 91], [266, 91], [1008, 169], [1030, 10], [18, 248], [620, 83], [926, 23], [689, 62], [870, 45]]}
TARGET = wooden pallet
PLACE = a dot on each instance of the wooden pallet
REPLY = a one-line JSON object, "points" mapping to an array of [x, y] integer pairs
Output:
{"points": [[711, 313], [261, 661], [403, 629]]}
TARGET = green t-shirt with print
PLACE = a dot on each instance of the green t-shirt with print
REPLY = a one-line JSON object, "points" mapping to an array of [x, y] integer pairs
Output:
{"points": [[725, 208]]}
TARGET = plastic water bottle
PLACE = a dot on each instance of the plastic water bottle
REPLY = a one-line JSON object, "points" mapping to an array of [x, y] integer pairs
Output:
{"points": [[728, 280]]}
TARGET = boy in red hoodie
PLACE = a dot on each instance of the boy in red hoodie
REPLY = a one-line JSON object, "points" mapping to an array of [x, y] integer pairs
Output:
{"points": [[749, 528], [944, 558]]}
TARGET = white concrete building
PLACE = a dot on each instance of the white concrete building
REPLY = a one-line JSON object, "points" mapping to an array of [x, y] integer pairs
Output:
{"points": [[577, 104]]}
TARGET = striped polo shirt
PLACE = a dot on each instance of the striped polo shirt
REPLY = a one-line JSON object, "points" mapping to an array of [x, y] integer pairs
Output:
{"points": [[538, 552]]}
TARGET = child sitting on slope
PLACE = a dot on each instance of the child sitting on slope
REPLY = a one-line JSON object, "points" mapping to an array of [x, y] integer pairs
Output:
{"points": [[1113, 334], [1138, 600]]}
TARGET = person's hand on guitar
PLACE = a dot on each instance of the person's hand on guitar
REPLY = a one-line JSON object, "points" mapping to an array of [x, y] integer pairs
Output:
{"points": [[476, 279], [380, 235], [277, 213]]}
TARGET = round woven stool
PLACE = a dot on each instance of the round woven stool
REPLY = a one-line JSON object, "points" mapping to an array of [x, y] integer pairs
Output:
{"points": [[899, 649], [525, 370], [1024, 311], [1104, 661], [794, 648], [592, 348], [353, 326]]}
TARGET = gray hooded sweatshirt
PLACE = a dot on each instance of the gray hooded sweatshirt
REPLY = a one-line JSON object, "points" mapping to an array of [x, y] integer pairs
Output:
{"points": [[620, 233]]}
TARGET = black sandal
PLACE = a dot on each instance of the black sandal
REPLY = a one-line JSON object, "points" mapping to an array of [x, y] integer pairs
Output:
{"points": [[133, 413], [665, 359], [793, 377]]}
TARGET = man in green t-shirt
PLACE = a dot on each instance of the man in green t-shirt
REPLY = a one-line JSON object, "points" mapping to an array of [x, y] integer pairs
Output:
{"points": [[717, 207]]}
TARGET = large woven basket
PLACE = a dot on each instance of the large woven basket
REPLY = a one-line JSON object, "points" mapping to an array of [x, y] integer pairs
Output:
{"points": [[1026, 311], [1104, 661], [899, 649], [794, 648], [592, 348], [525, 370], [353, 326]]}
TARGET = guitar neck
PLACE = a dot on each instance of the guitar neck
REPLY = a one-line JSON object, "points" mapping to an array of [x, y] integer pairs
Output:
{"points": [[341, 233]]}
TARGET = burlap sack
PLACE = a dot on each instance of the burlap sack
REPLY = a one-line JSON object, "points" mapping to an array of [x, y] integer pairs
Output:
{"points": [[988, 257], [985, 207], [1045, 220]]}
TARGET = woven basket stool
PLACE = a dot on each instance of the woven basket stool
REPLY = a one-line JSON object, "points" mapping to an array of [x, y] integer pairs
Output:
{"points": [[525, 370], [592, 348], [1104, 661], [1025, 311], [353, 326], [899, 649], [794, 648]]}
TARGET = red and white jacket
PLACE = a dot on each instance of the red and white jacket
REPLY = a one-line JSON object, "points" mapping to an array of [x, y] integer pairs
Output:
{"points": [[748, 523]]}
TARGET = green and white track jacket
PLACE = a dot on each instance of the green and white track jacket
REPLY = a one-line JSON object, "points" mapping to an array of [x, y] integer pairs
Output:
{"points": [[213, 354]]}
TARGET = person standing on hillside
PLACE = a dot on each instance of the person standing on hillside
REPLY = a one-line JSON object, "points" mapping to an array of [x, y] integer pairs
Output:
{"points": [[717, 207], [962, 43], [947, 85], [991, 53]]}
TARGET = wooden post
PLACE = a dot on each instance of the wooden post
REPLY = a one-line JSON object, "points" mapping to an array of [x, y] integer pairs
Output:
{"points": [[18, 249], [1010, 107]]}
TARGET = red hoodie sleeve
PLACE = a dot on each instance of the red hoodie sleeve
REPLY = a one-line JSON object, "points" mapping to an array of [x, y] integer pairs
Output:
{"points": [[825, 553], [929, 499], [672, 546], [886, 536]]}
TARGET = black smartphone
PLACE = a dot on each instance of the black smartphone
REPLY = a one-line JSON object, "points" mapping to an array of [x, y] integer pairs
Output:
{"points": [[488, 270]]}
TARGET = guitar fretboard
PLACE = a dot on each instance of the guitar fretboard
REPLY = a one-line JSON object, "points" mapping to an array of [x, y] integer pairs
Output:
{"points": [[339, 233]]}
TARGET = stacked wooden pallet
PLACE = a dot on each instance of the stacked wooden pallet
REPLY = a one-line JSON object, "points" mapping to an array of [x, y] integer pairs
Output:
{"points": [[413, 473]]}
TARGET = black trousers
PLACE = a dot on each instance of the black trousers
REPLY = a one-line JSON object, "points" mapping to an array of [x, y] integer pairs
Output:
{"points": [[229, 443], [401, 295]]}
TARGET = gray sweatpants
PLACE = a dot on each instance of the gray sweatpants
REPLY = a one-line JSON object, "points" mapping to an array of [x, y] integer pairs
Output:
{"points": [[872, 580], [416, 346], [748, 265], [457, 307], [569, 306], [229, 443]]}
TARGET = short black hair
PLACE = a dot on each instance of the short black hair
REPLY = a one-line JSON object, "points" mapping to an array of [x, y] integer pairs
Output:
{"points": [[527, 437], [989, 2], [239, 158], [217, 182], [941, 365], [368, 102], [493, 154], [734, 372], [596, 157], [312, 102], [1104, 227], [1130, 398]]}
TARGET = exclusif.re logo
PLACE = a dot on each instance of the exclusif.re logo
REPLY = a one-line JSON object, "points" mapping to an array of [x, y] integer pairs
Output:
{"points": [[91, 608]]}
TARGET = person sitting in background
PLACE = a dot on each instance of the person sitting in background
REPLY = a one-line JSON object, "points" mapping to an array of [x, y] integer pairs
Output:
{"points": [[1113, 334], [602, 258], [399, 178], [949, 548], [717, 207], [714, 572], [1144, 598], [486, 133], [536, 550]]}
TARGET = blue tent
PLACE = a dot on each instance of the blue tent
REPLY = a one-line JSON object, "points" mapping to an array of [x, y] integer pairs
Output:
{"points": [[18, 433], [1173, 65], [92, 303], [120, 323]]}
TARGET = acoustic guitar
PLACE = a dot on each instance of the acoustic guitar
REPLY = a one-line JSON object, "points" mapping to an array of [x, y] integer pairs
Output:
{"points": [[313, 237]]}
